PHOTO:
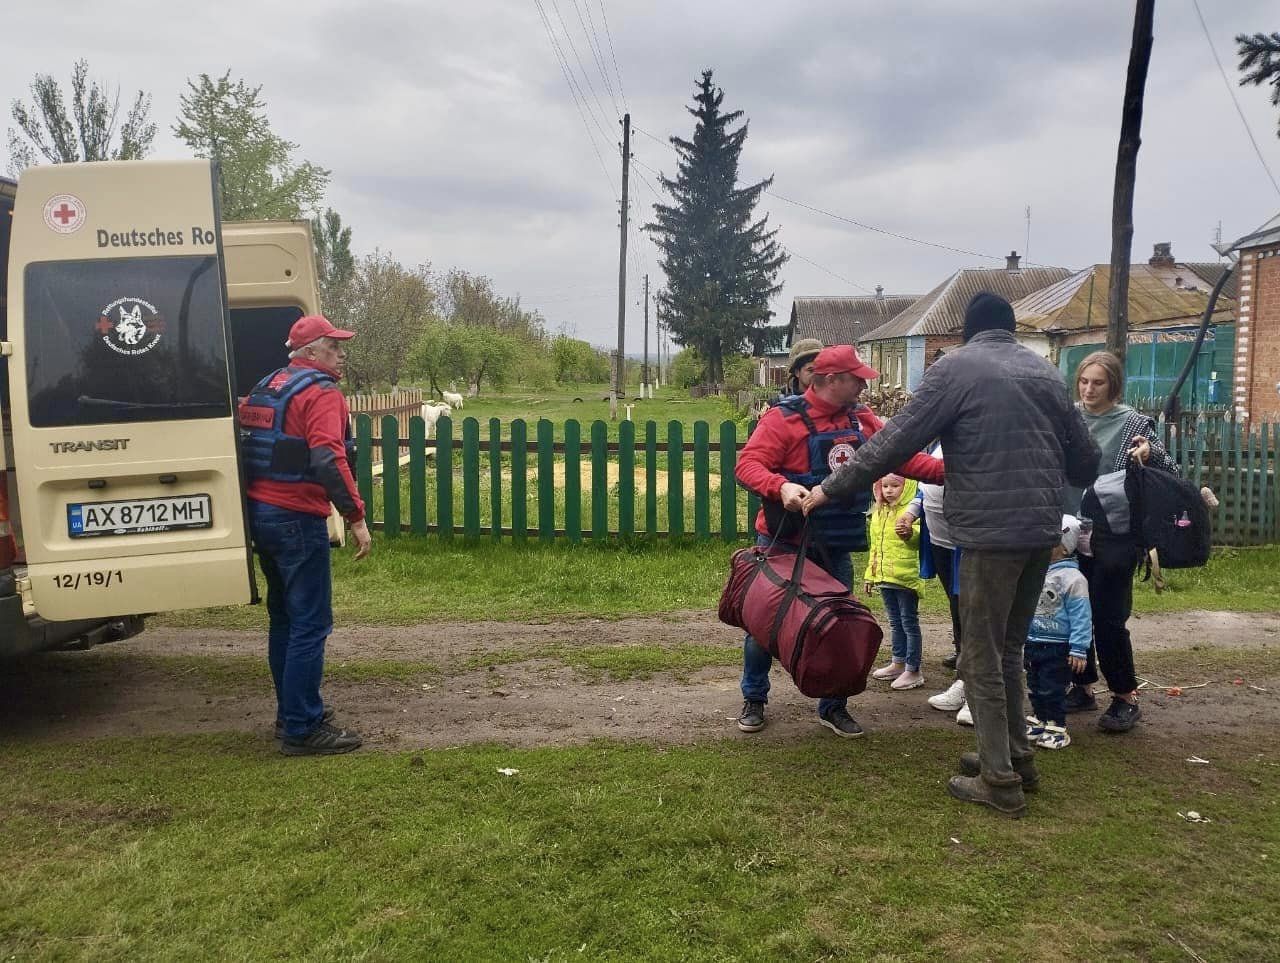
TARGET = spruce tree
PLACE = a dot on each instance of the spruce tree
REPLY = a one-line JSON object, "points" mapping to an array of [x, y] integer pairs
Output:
{"points": [[1260, 62], [721, 265]]}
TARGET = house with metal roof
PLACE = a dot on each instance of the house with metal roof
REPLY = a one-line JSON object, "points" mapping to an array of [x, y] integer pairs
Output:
{"points": [[1166, 301], [1256, 387], [844, 320], [904, 346]]}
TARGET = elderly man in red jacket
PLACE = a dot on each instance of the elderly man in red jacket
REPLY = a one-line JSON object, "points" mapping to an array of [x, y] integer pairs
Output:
{"points": [[795, 446], [298, 452]]}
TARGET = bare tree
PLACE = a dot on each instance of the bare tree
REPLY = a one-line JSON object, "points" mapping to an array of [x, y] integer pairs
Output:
{"points": [[1126, 176], [88, 133]]}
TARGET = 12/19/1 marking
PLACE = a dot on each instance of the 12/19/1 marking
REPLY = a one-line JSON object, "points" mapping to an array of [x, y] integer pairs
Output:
{"points": [[76, 580]]}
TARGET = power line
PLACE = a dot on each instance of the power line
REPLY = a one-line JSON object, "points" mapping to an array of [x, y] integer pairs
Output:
{"points": [[794, 253], [608, 34], [856, 223], [1232, 91], [581, 66], [568, 77], [593, 42]]}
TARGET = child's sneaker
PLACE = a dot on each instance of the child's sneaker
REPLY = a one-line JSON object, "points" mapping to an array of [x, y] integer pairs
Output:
{"points": [[911, 679], [1053, 737], [1035, 729], [890, 671]]}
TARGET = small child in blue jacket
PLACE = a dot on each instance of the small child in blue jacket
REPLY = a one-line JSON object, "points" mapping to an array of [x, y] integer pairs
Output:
{"points": [[1058, 641]]}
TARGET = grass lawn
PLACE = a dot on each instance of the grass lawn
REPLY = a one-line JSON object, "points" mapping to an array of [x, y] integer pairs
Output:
{"points": [[818, 850], [422, 579]]}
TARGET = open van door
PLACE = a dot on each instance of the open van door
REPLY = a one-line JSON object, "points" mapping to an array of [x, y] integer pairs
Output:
{"points": [[121, 387], [271, 283]]}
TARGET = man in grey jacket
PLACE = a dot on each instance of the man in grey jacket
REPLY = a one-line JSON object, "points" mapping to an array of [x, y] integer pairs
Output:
{"points": [[1012, 440]]}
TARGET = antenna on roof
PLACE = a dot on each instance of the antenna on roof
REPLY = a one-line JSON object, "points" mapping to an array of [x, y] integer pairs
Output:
{"points": [[1026, 248]]}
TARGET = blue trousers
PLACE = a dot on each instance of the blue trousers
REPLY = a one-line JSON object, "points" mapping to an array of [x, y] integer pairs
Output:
{"points": [[756, 660], [293, 550], [902, 606], [1048, 675]]}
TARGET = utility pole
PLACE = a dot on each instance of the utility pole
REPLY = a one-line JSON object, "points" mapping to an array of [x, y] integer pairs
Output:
{"points": [[1126, 174], [619, 385], [646, 390]]}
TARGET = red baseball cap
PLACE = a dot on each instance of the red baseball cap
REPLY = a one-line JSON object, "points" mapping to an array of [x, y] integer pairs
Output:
{"points": [[842, 358], [313, 326]]}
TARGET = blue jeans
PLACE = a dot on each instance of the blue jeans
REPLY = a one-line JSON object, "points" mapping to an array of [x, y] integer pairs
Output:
{"points": [[293, 549], [756, 659], [1048, 675], [902, 606]]}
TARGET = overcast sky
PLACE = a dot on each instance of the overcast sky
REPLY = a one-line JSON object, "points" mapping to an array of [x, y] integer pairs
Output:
{"points": [[454, 137]]}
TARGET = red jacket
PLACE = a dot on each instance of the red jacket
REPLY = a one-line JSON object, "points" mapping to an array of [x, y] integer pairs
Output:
{"points": [[319, 414], [782, 444]]}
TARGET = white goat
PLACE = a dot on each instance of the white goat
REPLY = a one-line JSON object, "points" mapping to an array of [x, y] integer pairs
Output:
{"points": [[431, 413], [452, 399]]}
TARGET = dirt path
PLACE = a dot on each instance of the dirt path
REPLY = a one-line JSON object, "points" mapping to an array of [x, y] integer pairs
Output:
{"points": [[124, 691]]}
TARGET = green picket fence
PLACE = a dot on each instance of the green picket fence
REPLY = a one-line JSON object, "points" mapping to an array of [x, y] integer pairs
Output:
{"points": [[651, 482], [516, 480], [1241, 463]]}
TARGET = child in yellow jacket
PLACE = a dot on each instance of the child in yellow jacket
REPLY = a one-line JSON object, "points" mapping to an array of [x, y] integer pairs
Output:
{"points": [[893, 566]]}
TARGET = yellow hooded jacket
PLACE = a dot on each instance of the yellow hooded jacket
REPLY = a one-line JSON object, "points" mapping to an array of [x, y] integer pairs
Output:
{"points": [[892, 561]]}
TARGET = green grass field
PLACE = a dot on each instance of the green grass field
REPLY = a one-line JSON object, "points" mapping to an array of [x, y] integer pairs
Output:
{"points": [[212, 848]]}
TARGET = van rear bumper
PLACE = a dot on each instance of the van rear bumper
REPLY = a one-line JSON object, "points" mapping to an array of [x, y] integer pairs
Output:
{"points": [[21, 636]]}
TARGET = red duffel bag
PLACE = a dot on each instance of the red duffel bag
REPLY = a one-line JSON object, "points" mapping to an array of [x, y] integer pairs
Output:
{"points": [[804, 617]]}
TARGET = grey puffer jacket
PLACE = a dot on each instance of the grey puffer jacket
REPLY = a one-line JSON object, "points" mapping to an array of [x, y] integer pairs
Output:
{"points": [[1012, 439]]}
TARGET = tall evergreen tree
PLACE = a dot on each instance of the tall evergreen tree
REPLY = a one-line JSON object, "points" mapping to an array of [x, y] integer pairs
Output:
{"points": [[721, 265], [334, 261], [1260, 62]]}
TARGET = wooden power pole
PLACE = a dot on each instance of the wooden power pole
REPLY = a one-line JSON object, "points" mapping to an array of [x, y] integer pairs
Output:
{"points": [[1126, 175], [646, 390], [619, 383]]}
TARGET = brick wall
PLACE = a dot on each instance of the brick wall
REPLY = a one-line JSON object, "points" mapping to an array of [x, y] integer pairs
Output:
{"points": [[933, 343], [1258, 336]]}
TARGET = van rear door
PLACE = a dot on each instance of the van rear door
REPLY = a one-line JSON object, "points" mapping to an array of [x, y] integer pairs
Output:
{"points": [[124, 436]]}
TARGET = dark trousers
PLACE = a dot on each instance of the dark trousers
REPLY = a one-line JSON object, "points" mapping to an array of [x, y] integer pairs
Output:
{"points": [[293, 549], [1048, 675], [1003, 588], [943, 564], [1110, 574]]}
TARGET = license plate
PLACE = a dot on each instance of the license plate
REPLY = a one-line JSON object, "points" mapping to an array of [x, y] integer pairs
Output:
{"points": [[139, 515]]}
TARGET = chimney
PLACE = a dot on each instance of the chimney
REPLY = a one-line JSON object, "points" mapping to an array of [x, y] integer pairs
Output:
{"points": [[1163, 256], [1011, 263], [879, 292]]}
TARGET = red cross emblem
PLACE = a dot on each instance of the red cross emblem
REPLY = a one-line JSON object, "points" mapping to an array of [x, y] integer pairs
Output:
{"points": [[839, 455], [64, 213]]}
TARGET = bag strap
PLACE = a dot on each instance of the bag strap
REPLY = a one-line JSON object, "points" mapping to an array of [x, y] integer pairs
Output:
{"points": [[793, 587]]}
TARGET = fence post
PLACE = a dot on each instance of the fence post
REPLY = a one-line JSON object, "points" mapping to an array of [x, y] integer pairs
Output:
{"points": [[495, 478], [1237, 455], [444, 477], [701, 480], [364, 460], [471, 479], [546, 481], [728, 481], [627, 479], [573, 480], [753, 500], [675, 479], [390, 476], [599, 481], [417, 475], [651, 478], [519, 480]]}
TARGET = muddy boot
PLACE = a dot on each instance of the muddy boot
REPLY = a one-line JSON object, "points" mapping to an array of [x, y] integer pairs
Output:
{"points": [[1006, 800], [1026, 768]]}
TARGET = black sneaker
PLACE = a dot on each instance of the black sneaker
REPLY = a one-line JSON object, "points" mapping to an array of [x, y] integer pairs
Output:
{"points": [[323, 740], [1080, 699], [327, 716], [752, 717], [949, 662], [1121, 716], [841, 723]]}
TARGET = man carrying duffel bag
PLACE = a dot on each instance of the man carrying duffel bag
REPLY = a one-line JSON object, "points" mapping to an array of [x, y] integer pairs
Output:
{"points": [[794, 447]]}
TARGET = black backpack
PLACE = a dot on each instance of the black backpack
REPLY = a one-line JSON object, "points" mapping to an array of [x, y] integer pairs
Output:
{"points": [[1157, 509]]}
